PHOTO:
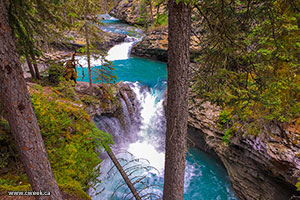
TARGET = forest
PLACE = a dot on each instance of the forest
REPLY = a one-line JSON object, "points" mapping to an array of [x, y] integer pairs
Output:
{"points": [[150, 99]]}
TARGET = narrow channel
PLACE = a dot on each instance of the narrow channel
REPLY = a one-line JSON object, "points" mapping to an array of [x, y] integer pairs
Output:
{"points": [[140, 144]]}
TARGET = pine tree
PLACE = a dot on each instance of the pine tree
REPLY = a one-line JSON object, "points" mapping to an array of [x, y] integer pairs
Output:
{"points": [[20, 115], [34, 25], [85, 14], [177, 105], [249, 63]]}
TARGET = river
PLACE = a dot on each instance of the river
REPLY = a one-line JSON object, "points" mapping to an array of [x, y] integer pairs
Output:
{"points": [[140, 145]]}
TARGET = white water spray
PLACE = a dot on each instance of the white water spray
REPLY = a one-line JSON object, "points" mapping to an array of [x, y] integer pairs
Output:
{"points": [[121, 51]]}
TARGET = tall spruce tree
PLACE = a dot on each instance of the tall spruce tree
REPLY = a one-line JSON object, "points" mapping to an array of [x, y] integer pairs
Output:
{"points": [[177, 104], [85, 14], [249, 63], [34, 25], [19, 113]]}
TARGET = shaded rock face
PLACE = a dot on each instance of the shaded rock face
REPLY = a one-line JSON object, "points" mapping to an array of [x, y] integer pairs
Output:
{"points": [[154, 45], [127, 11], [108, 40], [105, 98], [264, 167], [134, 13], [117, 114]]}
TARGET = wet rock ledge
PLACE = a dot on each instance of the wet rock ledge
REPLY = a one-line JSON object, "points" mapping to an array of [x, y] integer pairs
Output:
{"points": [[104, 99]]}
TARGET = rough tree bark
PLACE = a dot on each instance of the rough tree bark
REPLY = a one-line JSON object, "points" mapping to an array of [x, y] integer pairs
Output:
{"points": [[88, 47], [105, 6], [151, 11], [19, 113], [177, 104], [30, 67], [36, 69]]}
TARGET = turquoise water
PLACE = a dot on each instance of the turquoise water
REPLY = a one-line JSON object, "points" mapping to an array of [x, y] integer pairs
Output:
{"points": [[119, 27], [146, 72], [210, 180], [206, 179]]}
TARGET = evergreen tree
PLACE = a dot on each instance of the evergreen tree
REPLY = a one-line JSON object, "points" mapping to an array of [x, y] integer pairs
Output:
{"points": [[249, 63], [20, 115], [177, 104], [85, 14], [34, 25]]}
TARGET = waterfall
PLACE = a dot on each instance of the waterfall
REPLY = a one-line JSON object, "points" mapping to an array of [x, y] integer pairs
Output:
{"points": [[95, 61], [125, 128], [117, 52], [121, 51], [112, 126], [141, 136]]}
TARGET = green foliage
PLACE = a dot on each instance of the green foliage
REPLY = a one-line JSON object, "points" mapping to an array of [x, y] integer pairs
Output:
{"points": [[145, 12], [9, 158], [187, 1], [55, 72], [7, 145], [225, 123], [65, 88], [104, 73], [5, 188], [88, 99], [161, 19], [35, 22], [71, 139], [227, 136], [4, 139], [73, 189], [298, 185], [224, 117], [249, 61]]}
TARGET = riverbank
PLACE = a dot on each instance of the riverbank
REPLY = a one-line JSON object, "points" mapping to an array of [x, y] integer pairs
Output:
{"points": [[70, 137], [260, 167], [265, 166], [61, 51]]}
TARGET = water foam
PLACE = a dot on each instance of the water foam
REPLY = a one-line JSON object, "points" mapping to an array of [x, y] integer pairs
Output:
{"points": [[121, 51]]}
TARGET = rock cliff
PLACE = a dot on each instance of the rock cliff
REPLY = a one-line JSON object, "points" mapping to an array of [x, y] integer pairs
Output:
{"points": [[104, 99], [155, 45], [136, 12], [127, 12], [263, 167]]}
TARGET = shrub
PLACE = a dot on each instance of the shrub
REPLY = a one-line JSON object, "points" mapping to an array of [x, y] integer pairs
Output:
{"points": [[55, 72]]}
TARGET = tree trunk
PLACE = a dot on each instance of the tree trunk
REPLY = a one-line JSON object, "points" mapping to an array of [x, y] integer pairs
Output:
{"points": [[19, 113], [36, 69], [124, 175], [151, 11], [105, 6], [30, 67], [88, 48], [177, 104]]}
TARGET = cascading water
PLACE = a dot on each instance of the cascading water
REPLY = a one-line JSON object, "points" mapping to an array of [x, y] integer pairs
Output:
{"points": [[121, 51], [140, 135]]}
